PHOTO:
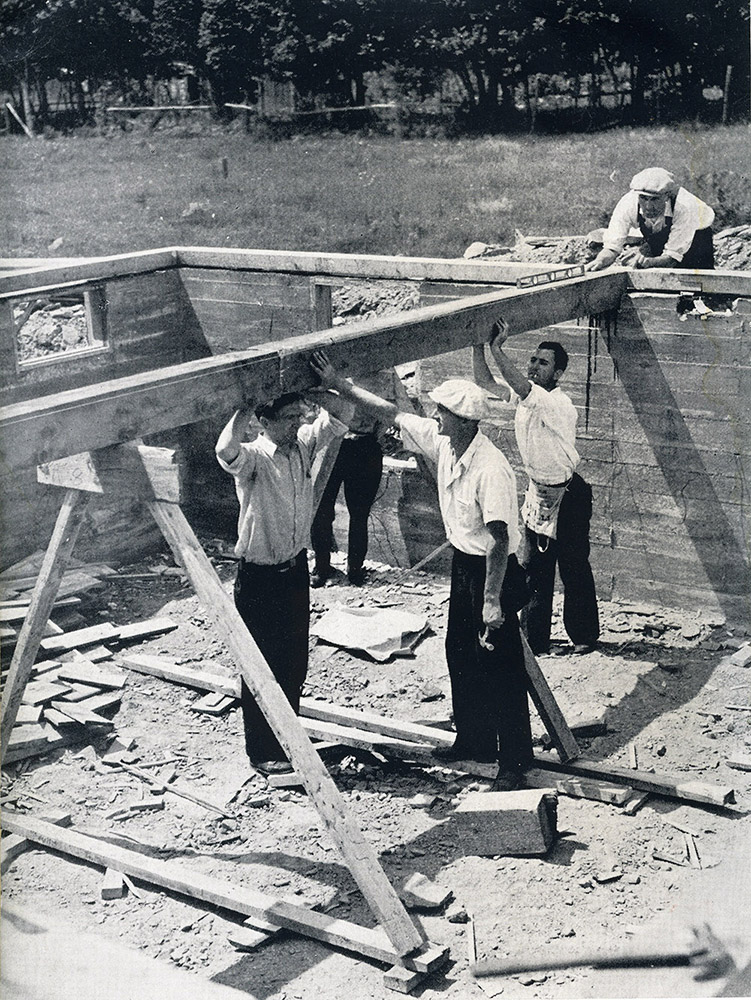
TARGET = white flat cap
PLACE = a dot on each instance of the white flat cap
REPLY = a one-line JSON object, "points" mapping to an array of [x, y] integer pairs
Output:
{"points": [[462, 397], [653, 180]]}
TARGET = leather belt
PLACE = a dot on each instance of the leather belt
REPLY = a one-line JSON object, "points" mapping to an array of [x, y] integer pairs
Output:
{"points": [[282, 567]]}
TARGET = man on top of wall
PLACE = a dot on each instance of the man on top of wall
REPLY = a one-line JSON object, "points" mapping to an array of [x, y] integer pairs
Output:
{"points": [[675, 225], [558, 503]]}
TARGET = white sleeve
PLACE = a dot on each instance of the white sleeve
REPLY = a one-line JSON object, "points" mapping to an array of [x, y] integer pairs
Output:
{"points": [[689, 215], [243, 461], [623, 219], [419, 434], [313, 437]]}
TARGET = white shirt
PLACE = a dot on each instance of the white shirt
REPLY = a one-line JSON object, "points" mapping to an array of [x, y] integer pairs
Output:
{"points": [[276, 492], [474, 490], [689, 214], [545, 425]]}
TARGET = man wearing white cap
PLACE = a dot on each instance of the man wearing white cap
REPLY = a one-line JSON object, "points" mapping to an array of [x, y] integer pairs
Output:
{"points": [[675, 225], [478, 501]]}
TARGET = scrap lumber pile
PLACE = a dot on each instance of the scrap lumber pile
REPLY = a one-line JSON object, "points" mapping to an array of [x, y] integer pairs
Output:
{"points": [[71, 683]]}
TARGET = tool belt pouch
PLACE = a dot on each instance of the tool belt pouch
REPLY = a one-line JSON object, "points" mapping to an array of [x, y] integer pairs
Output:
{"points": [[515, 590]]}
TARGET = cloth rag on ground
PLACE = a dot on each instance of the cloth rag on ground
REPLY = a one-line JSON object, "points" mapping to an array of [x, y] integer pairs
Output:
{"points": [[379, 632]]}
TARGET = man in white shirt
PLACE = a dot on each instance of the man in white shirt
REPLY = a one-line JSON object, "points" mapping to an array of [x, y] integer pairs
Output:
{"points": [[675, 225], [478, 502], [275, 490], [558, 503]]}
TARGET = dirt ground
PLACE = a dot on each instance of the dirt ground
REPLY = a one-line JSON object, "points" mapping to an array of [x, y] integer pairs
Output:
{"points": [[662, 679]]}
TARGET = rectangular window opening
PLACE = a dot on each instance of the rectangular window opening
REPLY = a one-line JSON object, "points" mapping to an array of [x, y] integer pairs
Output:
{"points": [[58, 326]]}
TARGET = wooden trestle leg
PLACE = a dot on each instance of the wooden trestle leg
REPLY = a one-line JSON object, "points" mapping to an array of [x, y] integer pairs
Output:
{"points": [[357, 852], [42, 599]]}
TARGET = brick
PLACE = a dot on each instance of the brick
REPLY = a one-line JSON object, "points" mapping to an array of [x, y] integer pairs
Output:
{"points": [[517, 823]]}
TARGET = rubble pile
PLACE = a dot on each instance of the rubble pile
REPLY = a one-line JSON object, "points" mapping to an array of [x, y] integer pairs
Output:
{"points": [[49, 329], [732, 249]]}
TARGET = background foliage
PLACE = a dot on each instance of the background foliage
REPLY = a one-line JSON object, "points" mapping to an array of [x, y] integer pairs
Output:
{"points": [[592, 61]]}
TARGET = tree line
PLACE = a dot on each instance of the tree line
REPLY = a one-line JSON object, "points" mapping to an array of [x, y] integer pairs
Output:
{"points": [[638, 58]]}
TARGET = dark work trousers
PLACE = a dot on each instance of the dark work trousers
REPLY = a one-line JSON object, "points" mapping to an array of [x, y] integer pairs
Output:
{"points": [[358, 466], [699, 255], [570, 551], [274, 603], [488, 688]]}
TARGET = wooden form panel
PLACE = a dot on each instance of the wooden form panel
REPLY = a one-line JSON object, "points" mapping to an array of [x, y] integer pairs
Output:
{"points": [[664, 434], [238, 309], [147, 322]]}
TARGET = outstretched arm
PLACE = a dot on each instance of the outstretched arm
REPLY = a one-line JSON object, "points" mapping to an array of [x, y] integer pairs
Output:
{"points": [[518, 382], [483, 376], [228, 444], [330, 378]]}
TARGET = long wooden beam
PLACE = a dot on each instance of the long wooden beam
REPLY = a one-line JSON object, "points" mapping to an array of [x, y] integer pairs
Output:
{"points": [[372, 943], [40, 430], [370, 266]]}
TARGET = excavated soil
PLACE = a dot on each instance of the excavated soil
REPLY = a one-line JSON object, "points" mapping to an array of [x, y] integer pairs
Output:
{"points": [[662, 680]]}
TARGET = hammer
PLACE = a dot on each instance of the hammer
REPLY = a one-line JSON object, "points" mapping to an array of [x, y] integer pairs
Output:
{"points": [[704, 951]]}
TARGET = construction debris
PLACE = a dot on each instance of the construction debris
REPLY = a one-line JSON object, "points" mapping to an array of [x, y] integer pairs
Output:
{"points": [[420, 893]]}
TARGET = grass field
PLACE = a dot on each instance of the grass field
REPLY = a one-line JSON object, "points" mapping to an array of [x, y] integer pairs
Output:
{"points": [[102, 195]]}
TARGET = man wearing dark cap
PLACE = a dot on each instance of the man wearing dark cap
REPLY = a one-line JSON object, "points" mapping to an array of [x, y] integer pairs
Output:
{"points": [[675, 225], [275, 491], [478, 502]]}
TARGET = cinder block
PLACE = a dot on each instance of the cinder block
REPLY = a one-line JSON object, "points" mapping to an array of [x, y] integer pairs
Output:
{"points": [[519, 823]]}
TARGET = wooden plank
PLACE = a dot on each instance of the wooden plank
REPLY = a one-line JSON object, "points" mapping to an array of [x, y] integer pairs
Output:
{"points": [[658, 784], [389, 746], [99, 702], [12, 845], [39, 692], [369, 722], [128, 470], [376, 266], [112, 885], [213, 704], [81, 637], [94, 269], [53, 564], [547, 707], [85, 716], [372, 943], [91, 417], [140, 630], [27, 738], [357, 852], [86, 672], [673, 280], [597, 791], [28, 713], [158, 666]]}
